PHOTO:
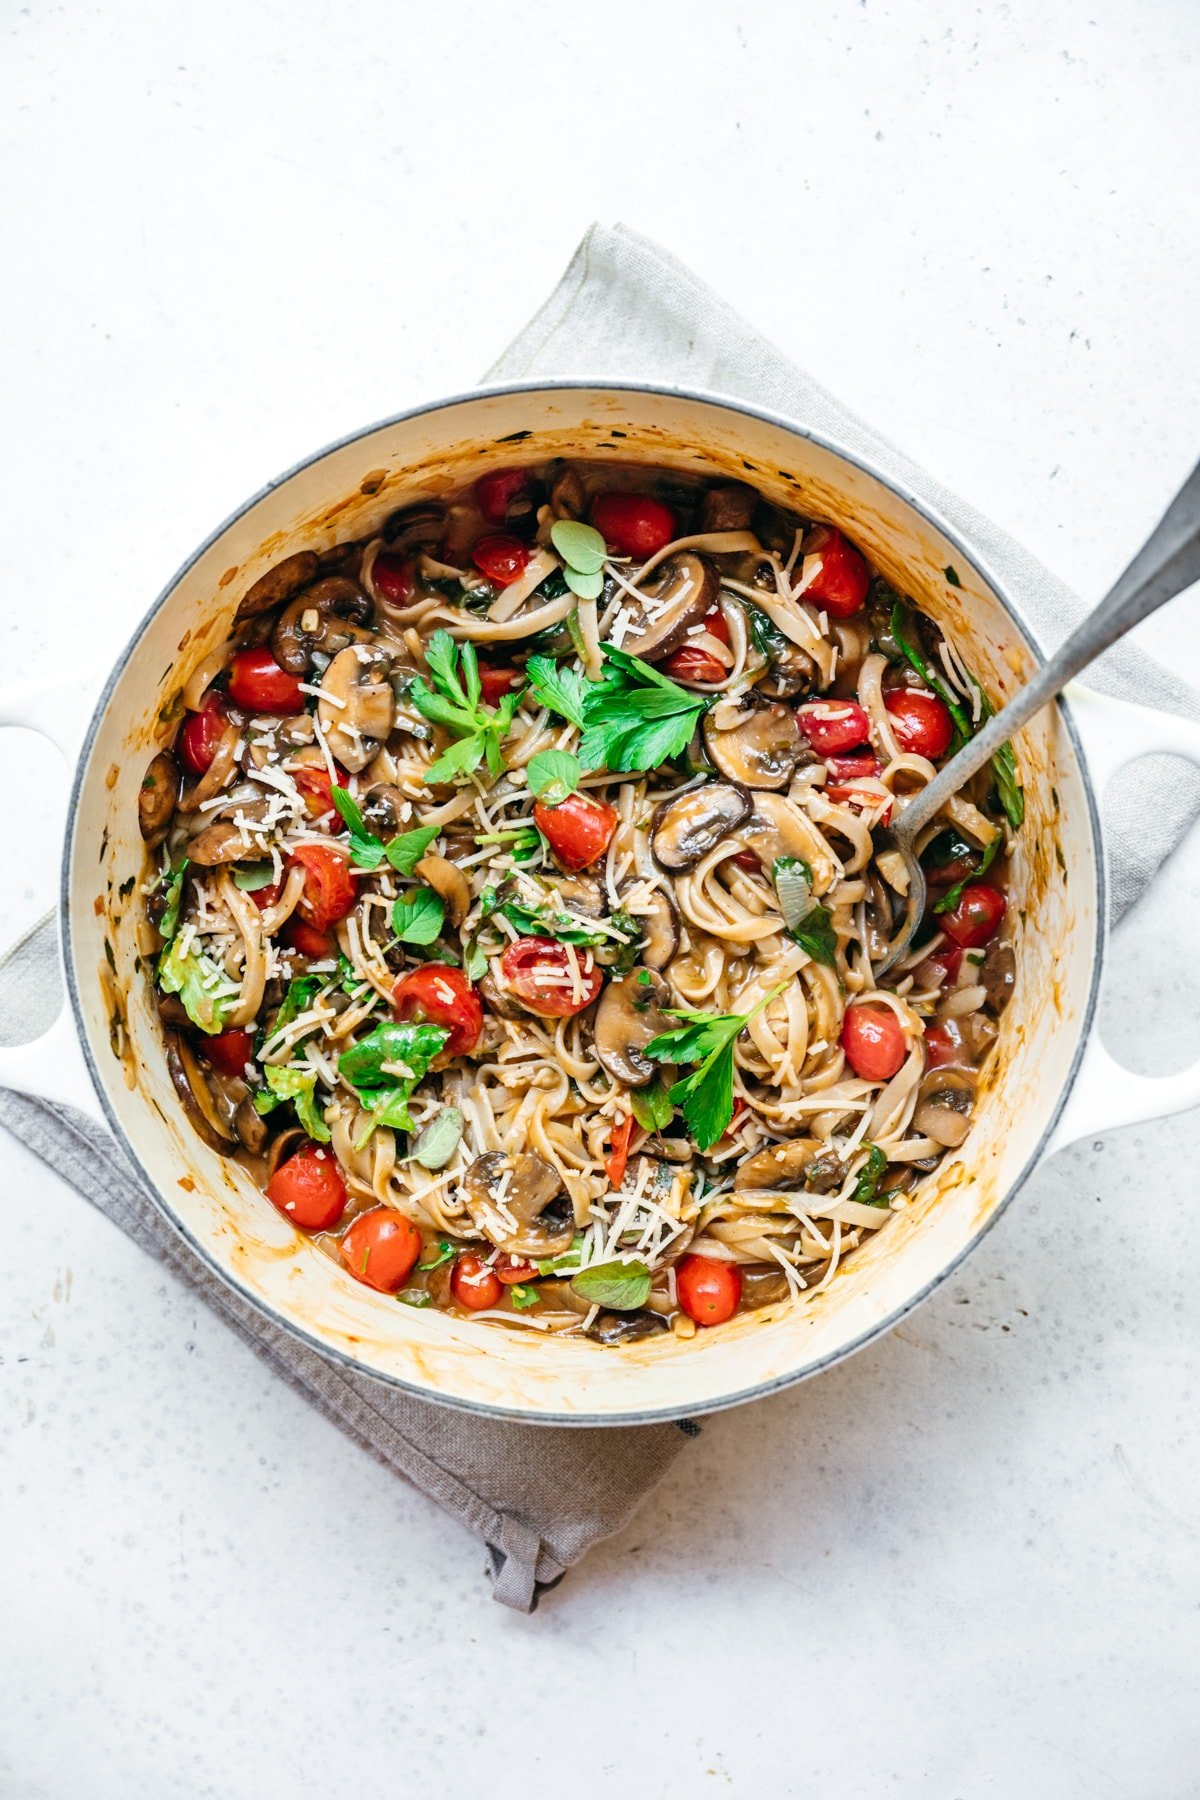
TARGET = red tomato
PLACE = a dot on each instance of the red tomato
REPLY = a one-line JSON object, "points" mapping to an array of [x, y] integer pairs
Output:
{"points": [[495, 493], [200, 736], [948, 960], [633, 524], [495, 683], [863, 765], [381, 1248], [841, 587], [309, 1189], [832, 726], [229, 1051], [976, 918], [513, 1269], [264, 897], [739, 1110], [536, 969], [501, 558], [394, 578], [473, 1284], [920, 721], [329, 892], [691, 663], [615, 1162], [257, 682], [442, 995], [316, 791], [747, 859], [940, 1047], [862, 798], [578, 831], [305, 938], [873, 1039], [709, 1290]]}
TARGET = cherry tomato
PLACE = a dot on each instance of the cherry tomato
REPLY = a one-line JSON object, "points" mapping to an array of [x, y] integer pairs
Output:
{"points": [[709, 1290], [633, 524], [394, 577], [948, 960], [873, 1039], [863, 765], [305, 938], [229, 1051], [380, 1248], [309, 1189], [691, 663], [740, 1108], [501, 558], [747, 859], [940, 1047], [474, 1284], [513, 1269], [495, 683], [329, 892], [578, 831], [832, 726], [861, 798], [976, 918], [495, 493], [537, 970], [265, 897], [257, 682], [921, 722], [316, 790], [200, 736], [615, 1162], [841, 586], [442, 995]]}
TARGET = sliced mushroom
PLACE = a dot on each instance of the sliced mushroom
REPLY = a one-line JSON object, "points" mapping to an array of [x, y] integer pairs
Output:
{"points": [[327, 616], [728, 508], [383, 809], [568, 496], [226, 841], [278, 584], [157, 796], [763, 1287], [778, 828], [419, 524], [252, 1129], [686, 829], [172, 1011], [448, 880], [684, 589], [283, 1145], [779, 1165], [998, 974], [792, 672], [630, 1013], [944, 1102], [357, 706], [660, 931], [581, 895], [519, 1203], [625, 1328], [341, 559], [761, 751], [187, 1078], [501, 1004]]}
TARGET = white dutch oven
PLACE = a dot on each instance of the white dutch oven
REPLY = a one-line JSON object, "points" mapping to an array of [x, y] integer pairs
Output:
{"points": [[1049, 1081]]}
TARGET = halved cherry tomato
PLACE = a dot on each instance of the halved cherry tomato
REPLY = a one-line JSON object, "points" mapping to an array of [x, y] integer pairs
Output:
{"points": [[501, 558], [442, 995], [709, 1290], [618, 1156], [747, 859], [380, 1248], [538, 971], [309, 1189], [329, 892], [200, 736], [873, 1039], [264, 897], [578, 831], [940, 1047], [495, 493], [257, 682], [513, 1269], [862, 797], [832, 726], [394, 577], [976, 919], [305, 938], [862, 765], [473, 1284], [921, 722], [633, 524], [691, 663], [495, 683], [948, 960], [315, 787], [229, 1051], [739, 1111], [841, 586]]}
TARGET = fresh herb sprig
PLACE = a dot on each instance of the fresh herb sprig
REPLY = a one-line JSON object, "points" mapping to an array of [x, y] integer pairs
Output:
{"points": [[634, 717], [455, 701], [584, 555], [706, 1095], [368, 851], [299, 1085], [866, 1188], [560, 688], [953, 895], [552, 775]]}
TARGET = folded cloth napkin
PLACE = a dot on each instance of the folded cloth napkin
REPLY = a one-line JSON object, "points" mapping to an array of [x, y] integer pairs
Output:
{"points": [[539, 1497]]}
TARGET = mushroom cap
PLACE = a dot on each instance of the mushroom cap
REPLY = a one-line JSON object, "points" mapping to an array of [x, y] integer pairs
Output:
{"points": [[778, 1165], [157, 796], [686, 829], [944, 1102], [326, 616], [448, 880], [660, 931], [777, 827], [684, 590], [224, 841], [630, 1013], [196, 1097], [792, 672], [278, 584], [527, 1214], [760, 751], [357, 705], [420, 523]]}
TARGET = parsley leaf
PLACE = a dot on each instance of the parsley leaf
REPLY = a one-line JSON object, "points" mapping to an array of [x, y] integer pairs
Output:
{"points": [[454, 702], [620, 1286], [366, 850], [562, 690], [706, 1095], [635, 718], [552, 775], [952, 896], [444, 1253], [418, 918], [652, 1107]]}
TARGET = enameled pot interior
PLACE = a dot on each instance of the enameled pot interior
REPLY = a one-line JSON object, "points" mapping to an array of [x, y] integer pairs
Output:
{"points": [[342, 494]]}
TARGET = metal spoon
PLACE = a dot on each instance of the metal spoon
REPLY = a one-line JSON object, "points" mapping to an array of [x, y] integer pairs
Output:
{"points": [[1167, 563]]}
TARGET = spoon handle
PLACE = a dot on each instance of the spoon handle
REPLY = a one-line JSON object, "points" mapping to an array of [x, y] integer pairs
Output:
{"points": [[1167, 563]]}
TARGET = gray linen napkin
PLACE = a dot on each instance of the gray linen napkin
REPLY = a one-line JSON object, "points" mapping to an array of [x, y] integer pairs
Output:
{"points": [[540, 1497]]}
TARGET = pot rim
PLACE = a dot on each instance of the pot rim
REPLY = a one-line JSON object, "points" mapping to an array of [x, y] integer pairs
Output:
{"points": [[880, 1328]]}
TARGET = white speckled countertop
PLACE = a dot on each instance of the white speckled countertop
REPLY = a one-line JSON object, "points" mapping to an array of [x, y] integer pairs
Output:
{"points": [[964, 1564]]}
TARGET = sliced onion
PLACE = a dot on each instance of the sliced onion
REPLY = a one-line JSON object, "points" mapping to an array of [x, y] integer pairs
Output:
{"points": [[794, 892]]}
